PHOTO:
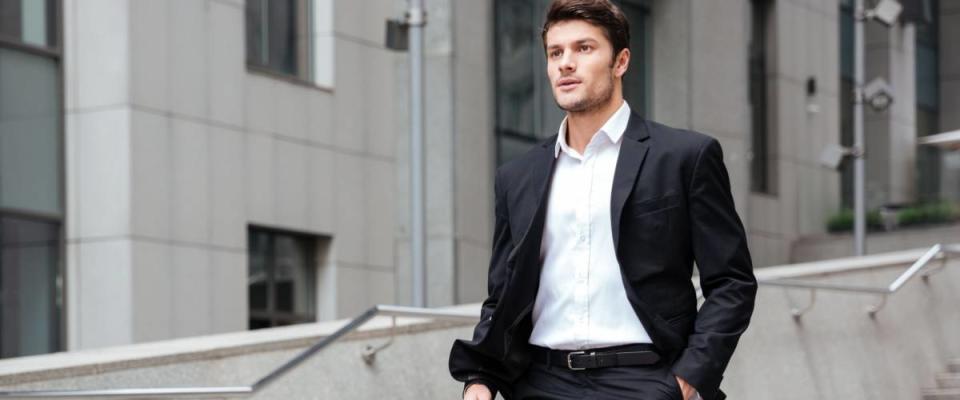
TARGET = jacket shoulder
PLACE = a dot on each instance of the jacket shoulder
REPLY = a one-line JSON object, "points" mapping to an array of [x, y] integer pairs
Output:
{"points": [[677, 139]]}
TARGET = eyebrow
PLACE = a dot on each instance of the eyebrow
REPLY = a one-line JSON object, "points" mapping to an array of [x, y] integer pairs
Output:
{"points": [[581, 41]]}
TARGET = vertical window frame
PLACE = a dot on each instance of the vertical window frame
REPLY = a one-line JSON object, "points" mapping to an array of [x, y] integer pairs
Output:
{"points": [[55, 52]]}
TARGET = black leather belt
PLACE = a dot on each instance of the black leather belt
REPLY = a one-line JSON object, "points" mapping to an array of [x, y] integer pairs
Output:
{"points": [[619, 356]]}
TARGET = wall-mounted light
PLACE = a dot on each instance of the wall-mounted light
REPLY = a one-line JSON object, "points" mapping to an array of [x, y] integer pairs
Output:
{"points": [[397, 35], [886, 12], [878, 94], [833, 155]]}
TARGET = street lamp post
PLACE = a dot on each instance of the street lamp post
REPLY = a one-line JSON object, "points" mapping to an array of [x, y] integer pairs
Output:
{"points": [[407, 35], [859, 205], [416, 21]]}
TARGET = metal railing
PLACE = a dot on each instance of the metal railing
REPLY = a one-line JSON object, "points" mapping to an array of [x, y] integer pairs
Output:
{"points": [[276, 373], [939, 252]]}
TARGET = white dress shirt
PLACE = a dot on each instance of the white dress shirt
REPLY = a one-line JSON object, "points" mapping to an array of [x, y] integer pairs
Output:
{"points": [[581, 302]]}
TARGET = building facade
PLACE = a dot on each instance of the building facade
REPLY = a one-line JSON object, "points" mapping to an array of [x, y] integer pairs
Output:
{"points": [[185, 167]]}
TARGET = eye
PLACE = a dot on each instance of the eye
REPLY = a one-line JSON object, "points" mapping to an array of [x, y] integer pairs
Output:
{"points": [[585, 48], [555, 54]]}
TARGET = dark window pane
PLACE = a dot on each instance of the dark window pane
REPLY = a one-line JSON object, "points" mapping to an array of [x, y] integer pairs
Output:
{"points": [[927, 79], [10, 18], [282, 278], [294, 275], [760, 162], [930, 160], [846, 42], [29, 271], [257, 277], [282, 37], [516, 72], [256, 28], [846, 140], [259, 323], [31, 22], [30, 169], [635, 80], [278, 36]]}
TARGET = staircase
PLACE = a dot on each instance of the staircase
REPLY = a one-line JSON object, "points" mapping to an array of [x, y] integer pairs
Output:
{"points": [[948, 384]]}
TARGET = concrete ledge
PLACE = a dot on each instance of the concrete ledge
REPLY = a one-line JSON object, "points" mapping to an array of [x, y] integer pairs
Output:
{"points": [[204, 348], [97, 361]]}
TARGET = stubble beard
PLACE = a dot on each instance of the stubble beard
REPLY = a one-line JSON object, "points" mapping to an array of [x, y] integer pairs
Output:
{"points": [[589, 103]]}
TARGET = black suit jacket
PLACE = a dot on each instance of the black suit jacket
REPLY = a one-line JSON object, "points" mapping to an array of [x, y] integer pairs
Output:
{"points": [[670, 206]]}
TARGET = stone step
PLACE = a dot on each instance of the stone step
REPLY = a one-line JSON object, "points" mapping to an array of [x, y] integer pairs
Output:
{"points": [[941, 394], [948, 380]]}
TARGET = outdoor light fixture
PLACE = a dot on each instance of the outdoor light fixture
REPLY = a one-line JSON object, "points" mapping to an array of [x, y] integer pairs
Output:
{"points": [[878, 94], [397, 35], [886, 12], [833, 155]]}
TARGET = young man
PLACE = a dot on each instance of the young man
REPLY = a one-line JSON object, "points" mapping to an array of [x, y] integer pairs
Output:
{"points": [[596, 233]]}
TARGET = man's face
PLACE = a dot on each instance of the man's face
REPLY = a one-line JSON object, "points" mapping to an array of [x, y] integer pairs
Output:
{"points": [[580, 65]]}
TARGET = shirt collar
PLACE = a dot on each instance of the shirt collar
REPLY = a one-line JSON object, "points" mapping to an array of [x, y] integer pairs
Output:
{"points": [[613, 128]]}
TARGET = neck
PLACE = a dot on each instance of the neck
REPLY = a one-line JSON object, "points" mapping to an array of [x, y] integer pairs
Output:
{"points": [[581, 126]]}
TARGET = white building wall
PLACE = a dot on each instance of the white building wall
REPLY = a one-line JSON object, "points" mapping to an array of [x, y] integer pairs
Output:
{"points": [[174, 148]]}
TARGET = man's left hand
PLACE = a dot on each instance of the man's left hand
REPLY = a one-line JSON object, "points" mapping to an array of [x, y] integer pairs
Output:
{"points": [[688, 390]]}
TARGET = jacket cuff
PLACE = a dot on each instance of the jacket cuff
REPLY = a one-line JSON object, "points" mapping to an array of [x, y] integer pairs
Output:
{"points": [[706, 382]]}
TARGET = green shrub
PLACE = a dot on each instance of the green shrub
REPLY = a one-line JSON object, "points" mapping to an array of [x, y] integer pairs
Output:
{"points": [[843, 221], [931, 213], [922, 214]]}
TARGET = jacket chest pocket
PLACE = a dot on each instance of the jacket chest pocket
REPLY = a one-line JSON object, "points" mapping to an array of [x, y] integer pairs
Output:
{"points": [[654, 205]]}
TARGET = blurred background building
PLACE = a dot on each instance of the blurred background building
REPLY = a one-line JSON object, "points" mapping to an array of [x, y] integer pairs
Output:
{"points": [[186, 167]]}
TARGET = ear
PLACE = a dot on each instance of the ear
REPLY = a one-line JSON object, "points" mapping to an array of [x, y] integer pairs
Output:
{"points": [[621, 63]]}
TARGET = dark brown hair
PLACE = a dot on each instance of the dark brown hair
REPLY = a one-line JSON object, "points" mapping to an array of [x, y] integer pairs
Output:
{"points": [[601, 13]]}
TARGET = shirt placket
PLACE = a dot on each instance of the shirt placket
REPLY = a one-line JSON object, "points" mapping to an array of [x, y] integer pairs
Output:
{"points": [[582, 298]]}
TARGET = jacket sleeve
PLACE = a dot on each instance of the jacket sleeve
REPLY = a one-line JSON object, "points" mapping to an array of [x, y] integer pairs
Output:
{"points": [[726, 275], [467, 362]]}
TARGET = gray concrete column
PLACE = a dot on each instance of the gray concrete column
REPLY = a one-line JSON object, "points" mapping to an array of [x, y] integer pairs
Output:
{"points": [[891, 138]]}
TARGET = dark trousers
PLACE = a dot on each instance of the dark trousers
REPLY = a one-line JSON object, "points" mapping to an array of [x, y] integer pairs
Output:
{"points": [[645, 382]]}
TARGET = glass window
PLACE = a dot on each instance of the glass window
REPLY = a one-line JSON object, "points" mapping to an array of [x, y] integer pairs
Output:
{"points": [[30, 137], [29, 295], [526, 111], [927, 72], [31, 181], [31, 22], [279, 36], [846, 98], [282, 278], [761, 167]]}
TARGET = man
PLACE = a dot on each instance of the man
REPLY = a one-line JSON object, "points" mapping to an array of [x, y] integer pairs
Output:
{"points": [[596, 233]]}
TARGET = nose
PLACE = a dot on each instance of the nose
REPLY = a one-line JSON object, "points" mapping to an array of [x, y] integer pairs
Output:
{"points": [[567, 62]]}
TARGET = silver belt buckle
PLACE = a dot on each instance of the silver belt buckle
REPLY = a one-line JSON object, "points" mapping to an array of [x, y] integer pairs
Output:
{"points": [[570, 360]]}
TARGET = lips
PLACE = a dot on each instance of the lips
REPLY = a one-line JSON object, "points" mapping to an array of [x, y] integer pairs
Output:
{"points": [[567, 83]]}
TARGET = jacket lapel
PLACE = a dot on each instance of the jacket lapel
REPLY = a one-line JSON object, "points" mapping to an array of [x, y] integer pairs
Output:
{"points": [[541, 171], [633, 151]]}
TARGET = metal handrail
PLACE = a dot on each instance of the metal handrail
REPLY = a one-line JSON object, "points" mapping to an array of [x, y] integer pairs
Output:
{"points": [[937, 250], [401, 311], [208, 391]]}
